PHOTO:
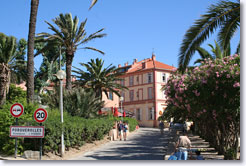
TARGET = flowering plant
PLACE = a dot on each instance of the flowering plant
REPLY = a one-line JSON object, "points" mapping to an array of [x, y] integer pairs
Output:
{"points": [[208, 94]]}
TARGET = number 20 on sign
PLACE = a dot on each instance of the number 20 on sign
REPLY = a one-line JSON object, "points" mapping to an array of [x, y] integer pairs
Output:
{"points": [[40, 115]]}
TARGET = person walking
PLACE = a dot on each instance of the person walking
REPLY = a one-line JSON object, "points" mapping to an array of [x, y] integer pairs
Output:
{"points": [[183, 144], [120, 129], [161, 126], [125, 130]]}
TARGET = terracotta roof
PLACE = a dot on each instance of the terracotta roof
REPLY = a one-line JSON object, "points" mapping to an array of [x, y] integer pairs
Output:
{"points": [[149, 64]]}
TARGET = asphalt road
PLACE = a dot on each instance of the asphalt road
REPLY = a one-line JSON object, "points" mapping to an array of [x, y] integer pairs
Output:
{"points": [[144, 144]]}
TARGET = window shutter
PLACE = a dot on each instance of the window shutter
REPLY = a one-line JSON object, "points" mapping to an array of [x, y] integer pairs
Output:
{"points": [[153, 113], [141, 118], [147, 114]]}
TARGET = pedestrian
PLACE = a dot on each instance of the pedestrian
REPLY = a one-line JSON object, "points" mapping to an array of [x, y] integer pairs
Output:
{"points": [[125, 130], [161, 126], [120, 129], [183, 144], [198, 155]]}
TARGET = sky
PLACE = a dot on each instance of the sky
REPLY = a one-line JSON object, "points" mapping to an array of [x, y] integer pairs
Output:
{"points": [[134, 28]]}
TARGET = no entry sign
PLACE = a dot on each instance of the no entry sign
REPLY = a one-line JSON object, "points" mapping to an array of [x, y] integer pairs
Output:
{"points": [[16, 110], [40, 115]]}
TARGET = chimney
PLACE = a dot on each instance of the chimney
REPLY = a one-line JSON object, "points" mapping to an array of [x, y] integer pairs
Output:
{"points": [[135, 61], [153, 57], [119, 65], [126, 64]]}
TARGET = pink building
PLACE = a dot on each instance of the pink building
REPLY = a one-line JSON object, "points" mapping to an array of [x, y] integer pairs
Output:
{"points": [[145, 99]]}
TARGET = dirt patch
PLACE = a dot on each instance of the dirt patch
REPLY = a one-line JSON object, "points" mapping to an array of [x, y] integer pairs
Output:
{"points": [[74, 152]]}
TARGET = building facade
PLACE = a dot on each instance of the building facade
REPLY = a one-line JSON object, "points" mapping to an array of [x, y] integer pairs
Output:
{"points": [[145, 97]]}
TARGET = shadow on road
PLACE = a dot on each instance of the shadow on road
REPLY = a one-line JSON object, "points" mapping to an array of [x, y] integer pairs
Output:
{"points": [[148, 144]]}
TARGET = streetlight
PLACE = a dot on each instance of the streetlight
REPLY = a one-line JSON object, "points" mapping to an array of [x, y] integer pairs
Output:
{"points": [[61, 75], [121, 100]]}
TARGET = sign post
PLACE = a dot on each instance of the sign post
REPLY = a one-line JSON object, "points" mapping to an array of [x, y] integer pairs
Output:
{"points": [[16, 111], [40, 115]]}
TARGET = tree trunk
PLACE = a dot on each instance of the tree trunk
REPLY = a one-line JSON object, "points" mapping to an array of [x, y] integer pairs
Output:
{"points": [[30, 50], [4, 79], [69, 61]]}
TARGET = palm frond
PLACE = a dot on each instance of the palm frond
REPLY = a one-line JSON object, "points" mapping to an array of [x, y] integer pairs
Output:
{"points": [[216, 16]]}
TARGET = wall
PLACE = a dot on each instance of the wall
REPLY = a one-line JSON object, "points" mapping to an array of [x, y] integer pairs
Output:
{"points": [[111, 103]]}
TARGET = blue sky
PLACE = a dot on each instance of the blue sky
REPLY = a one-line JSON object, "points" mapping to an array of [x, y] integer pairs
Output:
{"points": [[134, 27]]}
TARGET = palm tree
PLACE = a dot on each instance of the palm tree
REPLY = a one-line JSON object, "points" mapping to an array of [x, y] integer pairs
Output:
{"points": [[217, 51], [9, 61], [224, 15], [93, 2], [30, 50], [50, 52], [70, 36], [98, 78]]}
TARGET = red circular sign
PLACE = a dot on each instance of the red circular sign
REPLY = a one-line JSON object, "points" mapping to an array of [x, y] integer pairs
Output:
{"points": [[16, 110], [40, 115]]}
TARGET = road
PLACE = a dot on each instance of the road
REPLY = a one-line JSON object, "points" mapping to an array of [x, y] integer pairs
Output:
{"points": [[144, 144]]}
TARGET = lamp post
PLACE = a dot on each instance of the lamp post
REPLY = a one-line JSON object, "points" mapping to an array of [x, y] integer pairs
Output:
{"points": [[121, 100], [61, 75]]}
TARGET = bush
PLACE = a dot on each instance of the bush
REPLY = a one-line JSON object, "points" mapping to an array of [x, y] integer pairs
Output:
{"points": [[77, 102], [209, 95], [7, 144], [77, 130]]}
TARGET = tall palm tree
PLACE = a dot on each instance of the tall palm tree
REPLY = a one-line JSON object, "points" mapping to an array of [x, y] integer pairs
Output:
{"points": [[9, 60], [217, 52], [30, 50], [224, 15], [98, 78], [70, 36]]}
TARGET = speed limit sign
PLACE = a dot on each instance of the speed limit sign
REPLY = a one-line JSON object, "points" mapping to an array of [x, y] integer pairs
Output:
{"points": [[16, 110], [40, 115]]}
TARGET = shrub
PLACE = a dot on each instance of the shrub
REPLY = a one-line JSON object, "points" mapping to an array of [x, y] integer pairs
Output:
{"points": [[209, 95]]}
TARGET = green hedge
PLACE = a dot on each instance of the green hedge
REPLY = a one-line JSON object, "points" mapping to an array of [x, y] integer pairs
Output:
{"points": [[77, 130]]}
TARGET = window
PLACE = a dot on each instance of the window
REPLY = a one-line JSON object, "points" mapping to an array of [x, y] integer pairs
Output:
{"points": [[138, 114], [149, 77], [123, 95], [131, 95], [137, 79], [163, 94], [131, 80], [143, 65], [164, 77], [122, 82], [150, 96], [110, 96], [151, 113]]}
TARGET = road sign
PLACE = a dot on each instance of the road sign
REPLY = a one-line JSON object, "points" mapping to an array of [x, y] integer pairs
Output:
{"points": [[40, 115], [27, 131], [16, 110]]}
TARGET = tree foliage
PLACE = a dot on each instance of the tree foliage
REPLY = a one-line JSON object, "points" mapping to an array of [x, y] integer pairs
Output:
{"points": [[209, 95], [69, 36], [100, 79], [225, 15]]}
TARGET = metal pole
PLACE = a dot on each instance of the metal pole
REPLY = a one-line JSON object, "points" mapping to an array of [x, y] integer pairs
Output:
{"points": [[40, 154], [60, 59], [61, 109], [16, 123], [121, 112]]}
